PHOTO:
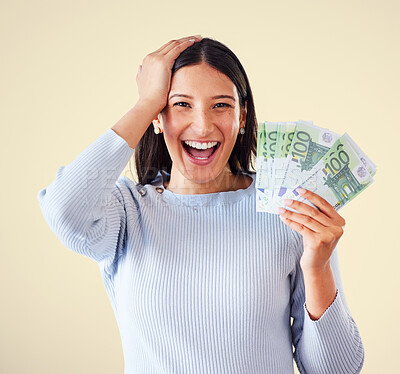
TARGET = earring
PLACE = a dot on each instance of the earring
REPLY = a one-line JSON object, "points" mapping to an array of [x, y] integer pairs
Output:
{"points": [[241, 130], [156, 130]]}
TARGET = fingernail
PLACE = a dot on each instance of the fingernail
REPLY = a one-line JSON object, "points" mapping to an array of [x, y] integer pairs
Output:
{"points": [[287, 202], [281, 210], [198, 36], [301, 190]]}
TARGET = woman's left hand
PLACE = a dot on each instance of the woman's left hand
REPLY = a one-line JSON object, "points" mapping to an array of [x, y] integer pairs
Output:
{"points": [[321, 229]]}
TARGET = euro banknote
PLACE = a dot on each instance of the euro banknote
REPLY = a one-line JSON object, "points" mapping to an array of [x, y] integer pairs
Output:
{"points": [[300, 154], [339, 176], [262, 169]]}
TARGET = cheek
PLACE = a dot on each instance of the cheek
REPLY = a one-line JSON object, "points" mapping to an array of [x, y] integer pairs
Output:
{"points": [[172, 133], [175, 122], [172, 125], [230, 128]]}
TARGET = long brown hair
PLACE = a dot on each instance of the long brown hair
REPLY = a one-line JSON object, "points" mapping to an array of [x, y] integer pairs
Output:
{"points": [[151, 153]]}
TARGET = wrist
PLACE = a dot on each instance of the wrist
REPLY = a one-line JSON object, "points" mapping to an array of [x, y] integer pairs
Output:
{"points": [[151, 107], [320, 290], [317, 271]]}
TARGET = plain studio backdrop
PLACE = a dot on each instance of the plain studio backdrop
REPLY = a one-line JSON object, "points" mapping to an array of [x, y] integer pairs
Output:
{"points": [[68, 73]]}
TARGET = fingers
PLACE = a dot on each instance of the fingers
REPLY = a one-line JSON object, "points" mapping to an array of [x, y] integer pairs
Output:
{"points": [[176, 45], [301, 229], [307, 226], [323, 206], [326, 237], [175, 50], [302, 219], [180, 43], [309, 211]]}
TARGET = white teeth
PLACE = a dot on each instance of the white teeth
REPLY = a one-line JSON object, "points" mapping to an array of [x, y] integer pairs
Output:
{"points": [[200, 145]]}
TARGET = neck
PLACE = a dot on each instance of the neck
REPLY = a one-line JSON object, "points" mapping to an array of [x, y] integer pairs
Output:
{"points": [[225, 181]]}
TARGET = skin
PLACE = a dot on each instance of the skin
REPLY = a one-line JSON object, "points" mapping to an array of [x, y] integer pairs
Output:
{"points": [[321, 230], [202, 118]]}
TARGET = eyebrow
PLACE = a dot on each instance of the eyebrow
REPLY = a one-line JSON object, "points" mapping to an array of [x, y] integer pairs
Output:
{"points": [[214, 97]]}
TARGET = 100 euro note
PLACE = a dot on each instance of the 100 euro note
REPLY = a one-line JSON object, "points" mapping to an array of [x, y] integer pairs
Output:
{"points": [[309, 144], [285, 133], [371, 167], [279, 157], [271, 135], [340, 175], [267, 142]]}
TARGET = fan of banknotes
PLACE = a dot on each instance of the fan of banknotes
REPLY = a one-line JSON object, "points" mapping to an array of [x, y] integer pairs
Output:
{"points": [[293, 155]]}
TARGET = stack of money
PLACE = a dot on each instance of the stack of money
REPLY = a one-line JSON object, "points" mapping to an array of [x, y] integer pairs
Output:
{"points": [[293, 155]]}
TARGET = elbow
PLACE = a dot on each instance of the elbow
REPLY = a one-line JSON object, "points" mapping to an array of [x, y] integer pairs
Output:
{"points": [[58, 217]]}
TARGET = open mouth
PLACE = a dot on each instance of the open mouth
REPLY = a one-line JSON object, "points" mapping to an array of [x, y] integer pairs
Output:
{"points": [[200, 154]]}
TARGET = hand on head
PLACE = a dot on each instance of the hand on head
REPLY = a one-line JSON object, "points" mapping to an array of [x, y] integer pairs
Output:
{"points": [[154, 75]]}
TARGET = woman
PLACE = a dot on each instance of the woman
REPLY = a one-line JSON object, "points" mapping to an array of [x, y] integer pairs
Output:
{"points": [[200, 282]]}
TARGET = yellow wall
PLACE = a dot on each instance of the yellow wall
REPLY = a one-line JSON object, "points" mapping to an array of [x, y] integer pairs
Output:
{"points": [[68, 72]]}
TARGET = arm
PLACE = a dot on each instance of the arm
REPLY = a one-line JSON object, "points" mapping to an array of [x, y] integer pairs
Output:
{"points": [[83, 205], [134, 123], [320, 290], [332, 343], [325, 336]]}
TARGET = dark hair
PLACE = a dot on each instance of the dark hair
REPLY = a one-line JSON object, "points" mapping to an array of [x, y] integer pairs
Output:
{"points": [[151, 153]]}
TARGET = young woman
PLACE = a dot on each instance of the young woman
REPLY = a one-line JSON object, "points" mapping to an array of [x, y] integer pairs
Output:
{"points": [[198, 280]]}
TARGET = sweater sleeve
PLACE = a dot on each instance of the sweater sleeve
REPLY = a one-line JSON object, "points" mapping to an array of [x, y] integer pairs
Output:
{"points": [[84, 206], [331, 344]]}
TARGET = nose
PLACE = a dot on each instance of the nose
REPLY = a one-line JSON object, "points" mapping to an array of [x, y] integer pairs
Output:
{"points": [[202, 123]]}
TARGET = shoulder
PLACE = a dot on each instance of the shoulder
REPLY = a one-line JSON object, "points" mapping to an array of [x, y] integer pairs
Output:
{"points": [[140, 195], [129, 192]]}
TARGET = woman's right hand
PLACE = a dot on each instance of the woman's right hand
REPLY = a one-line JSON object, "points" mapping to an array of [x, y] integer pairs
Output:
{"points": [[154, 75]]}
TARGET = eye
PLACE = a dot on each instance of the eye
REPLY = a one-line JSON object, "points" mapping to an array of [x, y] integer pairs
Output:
{"points": [[180, 102], [183, 102]]}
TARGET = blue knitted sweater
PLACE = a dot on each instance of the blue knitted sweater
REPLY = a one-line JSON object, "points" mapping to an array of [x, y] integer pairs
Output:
{"points": [[198, 283]]}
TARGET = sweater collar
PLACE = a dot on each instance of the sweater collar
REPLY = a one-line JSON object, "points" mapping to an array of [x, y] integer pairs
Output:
{"points": [[200, 200]]}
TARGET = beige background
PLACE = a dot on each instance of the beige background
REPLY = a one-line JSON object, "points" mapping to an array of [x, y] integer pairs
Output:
{"points": [[68, 73]]}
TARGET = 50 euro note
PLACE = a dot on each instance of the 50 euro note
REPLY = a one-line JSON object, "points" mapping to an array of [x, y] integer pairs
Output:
{"points": [[341, 174]]}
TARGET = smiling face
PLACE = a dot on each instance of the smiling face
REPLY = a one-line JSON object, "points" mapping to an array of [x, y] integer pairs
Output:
{"points": [[202, 116]]}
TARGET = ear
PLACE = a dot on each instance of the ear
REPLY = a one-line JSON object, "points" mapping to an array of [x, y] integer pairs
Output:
{"points": [[243, 114], [158, 122]]}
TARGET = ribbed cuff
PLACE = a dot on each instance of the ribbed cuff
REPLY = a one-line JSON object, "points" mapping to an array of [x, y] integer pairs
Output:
{"points": [[336, 312], [332, 343]]}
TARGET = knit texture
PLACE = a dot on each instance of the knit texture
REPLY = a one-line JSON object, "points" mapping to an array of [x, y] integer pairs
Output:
{"points": [[198, 283]]}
